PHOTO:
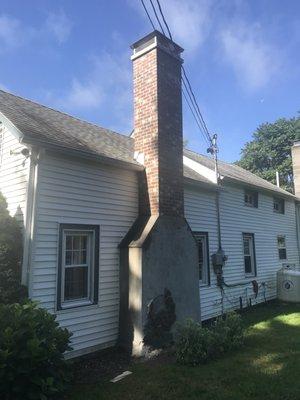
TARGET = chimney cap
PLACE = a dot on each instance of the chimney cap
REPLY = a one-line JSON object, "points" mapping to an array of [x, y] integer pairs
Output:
{"points": [[156, 39]]}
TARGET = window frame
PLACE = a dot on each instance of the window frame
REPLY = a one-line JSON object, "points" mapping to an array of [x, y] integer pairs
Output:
{"points": [[279, 201], [93, 268], [205, 235], [252, 193], [282, 248], [253, 273]]}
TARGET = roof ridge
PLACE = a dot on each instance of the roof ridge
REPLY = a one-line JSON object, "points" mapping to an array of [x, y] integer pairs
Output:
{"points": [[63, 113]]}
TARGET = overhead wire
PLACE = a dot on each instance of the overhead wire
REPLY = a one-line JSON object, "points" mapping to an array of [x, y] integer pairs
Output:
{"points": [[163, 18], [156, 16], [148, 15], [193, 104]]}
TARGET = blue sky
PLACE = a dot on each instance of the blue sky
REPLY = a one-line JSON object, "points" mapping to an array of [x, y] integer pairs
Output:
{"points": [[242, 58]]}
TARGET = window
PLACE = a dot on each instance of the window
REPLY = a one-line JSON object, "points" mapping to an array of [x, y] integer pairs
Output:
{"points": [[203, 249], [249, 254], [251, 198], [78, 265], [281, 247], [278, 205]]}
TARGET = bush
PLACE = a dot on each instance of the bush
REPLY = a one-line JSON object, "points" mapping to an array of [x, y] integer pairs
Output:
{"points": [[11, 289], [195, 344], [32, 365]]}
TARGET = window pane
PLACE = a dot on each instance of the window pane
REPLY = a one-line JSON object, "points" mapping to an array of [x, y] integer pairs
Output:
{"points": [[281, 241], [200, 251], [76, 283], [282, 254], [83, 244], [69, 242], [69, 257], [248, 266], [76, 242], [246, 246], [83, 257]]}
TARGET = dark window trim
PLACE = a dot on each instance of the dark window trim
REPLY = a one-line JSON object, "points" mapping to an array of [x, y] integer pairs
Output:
{"points": [[195, 233], [279, 200], [281, 248], [62, 228], [254, 193], [254, 253]]}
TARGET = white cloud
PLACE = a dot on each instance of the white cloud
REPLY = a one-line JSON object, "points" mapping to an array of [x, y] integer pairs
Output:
{"points": [[106, 87], [253, 59], [10, 32], [59, 25], [189, 20], [82, 95], [14, 33]]}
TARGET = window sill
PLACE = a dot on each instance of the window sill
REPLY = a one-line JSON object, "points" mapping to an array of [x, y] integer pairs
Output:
{"points": [[76, 306], [202, 285], [250, 277], [249, 205]]}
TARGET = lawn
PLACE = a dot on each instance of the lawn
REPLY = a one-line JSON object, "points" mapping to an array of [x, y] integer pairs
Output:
{"points": [[267, 367]]}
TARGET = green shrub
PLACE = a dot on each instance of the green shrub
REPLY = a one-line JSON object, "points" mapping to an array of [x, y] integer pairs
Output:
{"points": [[195, 344], [11, 249], [32, 344]]}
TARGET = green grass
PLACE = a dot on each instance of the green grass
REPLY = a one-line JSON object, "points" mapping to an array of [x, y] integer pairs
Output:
{"points": [[267, 367]]}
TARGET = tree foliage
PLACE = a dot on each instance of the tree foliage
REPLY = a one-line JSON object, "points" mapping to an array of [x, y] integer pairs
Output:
{"points": [[32, 345], [11, 289], [270, 151]]}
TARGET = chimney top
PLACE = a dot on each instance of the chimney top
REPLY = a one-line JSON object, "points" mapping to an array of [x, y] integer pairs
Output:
{"points": [[153, 40]]}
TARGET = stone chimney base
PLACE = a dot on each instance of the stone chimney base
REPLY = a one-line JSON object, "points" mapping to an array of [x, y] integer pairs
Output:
{"points": [[158, 253]]}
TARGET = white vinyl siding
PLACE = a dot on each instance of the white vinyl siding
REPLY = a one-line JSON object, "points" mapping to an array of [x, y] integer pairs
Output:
{"points": [[236, 219], [13, 175], [74, 192]]}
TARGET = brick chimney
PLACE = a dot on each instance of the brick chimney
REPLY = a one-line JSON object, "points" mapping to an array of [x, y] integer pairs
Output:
{"points": [[158, 122], [159, 252], [296, 167]]}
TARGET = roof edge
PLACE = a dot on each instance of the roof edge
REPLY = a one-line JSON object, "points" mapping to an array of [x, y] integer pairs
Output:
{"points": [[85, 155]]}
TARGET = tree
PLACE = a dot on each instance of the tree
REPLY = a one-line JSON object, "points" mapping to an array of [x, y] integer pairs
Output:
{"points": [[11, 289], [270, 151]]}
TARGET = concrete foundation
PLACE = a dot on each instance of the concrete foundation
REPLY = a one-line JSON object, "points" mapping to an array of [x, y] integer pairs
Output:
{"points": [[158, 252]]}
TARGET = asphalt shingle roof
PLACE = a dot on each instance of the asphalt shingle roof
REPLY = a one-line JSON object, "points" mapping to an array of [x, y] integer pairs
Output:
{"points": [[51, 127], [235, 172], [37, 122]]}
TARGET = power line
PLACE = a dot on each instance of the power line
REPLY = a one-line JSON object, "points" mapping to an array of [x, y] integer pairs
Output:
{"points": [[158, 20], [192, 104], [190, 107], [194, 113], [148, 15], [163, 18], [196, 103]]}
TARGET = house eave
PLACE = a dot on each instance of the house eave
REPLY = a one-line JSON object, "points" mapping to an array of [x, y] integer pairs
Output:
{"points": [[84, 154], [274, 193]]}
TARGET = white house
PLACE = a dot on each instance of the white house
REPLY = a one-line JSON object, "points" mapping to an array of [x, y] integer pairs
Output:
{"points": [[80, 190]]}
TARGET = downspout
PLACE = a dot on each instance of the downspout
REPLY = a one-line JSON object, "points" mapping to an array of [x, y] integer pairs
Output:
{"points": [[30, 218]]}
